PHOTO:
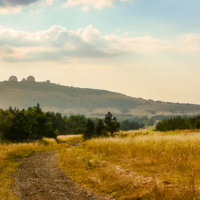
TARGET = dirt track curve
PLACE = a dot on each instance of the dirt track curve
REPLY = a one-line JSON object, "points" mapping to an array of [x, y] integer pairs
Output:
{"points": [[39, 178]]}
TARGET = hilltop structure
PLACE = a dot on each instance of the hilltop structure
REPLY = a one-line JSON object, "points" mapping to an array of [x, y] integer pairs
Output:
{"points": [[13, 78], [29, 79]]}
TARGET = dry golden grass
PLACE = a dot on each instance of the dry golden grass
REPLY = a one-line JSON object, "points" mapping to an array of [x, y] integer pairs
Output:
{"points": [[149, 165], [9, 153], [69, 139], [188, 131]]}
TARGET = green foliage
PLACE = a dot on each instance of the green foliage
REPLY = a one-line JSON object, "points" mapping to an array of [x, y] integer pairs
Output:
{"points": [[75, 124], [89, 130], [18, 125], [56, 123], [102, 127], [33, 124], [111, 124], [127, 125], [179, 123]]}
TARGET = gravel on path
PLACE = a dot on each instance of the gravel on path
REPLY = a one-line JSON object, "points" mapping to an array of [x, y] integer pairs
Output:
{"points": [[40, 178]]}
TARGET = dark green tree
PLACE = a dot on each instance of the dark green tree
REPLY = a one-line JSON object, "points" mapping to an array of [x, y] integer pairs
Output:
{"points": [[100, 129], [89, 130], [75, 124], [111, 124]]}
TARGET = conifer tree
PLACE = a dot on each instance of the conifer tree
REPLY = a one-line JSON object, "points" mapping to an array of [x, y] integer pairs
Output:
{"points": [[89, 130], [111, 124]]}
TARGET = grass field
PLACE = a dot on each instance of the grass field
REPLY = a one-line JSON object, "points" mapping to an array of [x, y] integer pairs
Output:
{"points": [[138, 165], [133, 165], [69, 139]]}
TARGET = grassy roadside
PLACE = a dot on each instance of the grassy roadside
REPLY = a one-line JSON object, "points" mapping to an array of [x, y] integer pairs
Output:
{"points": [[9, 153], [138, 165]]}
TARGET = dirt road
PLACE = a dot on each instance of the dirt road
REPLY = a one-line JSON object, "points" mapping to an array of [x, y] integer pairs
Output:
{"points": [[39, 178]]}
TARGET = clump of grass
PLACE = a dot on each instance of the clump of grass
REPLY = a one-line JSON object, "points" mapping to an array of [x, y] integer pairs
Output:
{"points": [[9, 153], [148, 165], [49, 141], [70, 139]]}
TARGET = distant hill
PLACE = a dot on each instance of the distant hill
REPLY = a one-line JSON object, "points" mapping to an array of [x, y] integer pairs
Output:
{"points": [[90, 102]]}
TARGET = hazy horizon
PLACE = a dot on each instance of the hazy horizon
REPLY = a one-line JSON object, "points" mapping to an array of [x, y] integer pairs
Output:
{"points": [[134, 47]]}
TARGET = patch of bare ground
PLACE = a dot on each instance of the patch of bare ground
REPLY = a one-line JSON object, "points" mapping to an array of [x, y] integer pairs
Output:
{"points": [[40, 178]]}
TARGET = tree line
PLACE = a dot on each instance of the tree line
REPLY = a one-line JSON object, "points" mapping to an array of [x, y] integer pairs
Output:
{"points": [[106, 127], [130, 125], [178, 123], [33, 123]]}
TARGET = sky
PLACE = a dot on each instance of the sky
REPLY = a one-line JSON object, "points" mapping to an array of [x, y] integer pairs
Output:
{"points": [[140, 48]]}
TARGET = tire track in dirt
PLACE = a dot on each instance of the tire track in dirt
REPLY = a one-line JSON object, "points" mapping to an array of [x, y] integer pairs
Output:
{"points": [[40, 178]]}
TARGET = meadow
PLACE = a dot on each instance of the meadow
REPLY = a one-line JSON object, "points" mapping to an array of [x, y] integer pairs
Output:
{"points": [[137, 165], [132, 165]]}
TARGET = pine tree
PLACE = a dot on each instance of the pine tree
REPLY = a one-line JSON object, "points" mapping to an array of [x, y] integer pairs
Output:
{"points": [[100, 129], [89, 130], [111, 124]]}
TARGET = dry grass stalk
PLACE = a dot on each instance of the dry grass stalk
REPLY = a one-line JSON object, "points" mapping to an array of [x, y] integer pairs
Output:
{"points": [[139, 166]]}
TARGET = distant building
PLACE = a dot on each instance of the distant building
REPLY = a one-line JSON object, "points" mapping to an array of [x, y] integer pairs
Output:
{"points": [[31, 79], [13, 78], [48, 81]]}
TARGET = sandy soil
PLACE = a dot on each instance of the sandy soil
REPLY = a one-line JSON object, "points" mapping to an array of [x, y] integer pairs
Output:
{"points": [[39, 178]]}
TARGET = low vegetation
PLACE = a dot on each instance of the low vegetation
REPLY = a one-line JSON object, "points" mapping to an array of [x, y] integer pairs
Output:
{"points": [[70, 139], [142, 165]]}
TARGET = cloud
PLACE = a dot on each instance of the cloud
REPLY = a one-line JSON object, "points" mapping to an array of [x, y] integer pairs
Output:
{"points": [[9, 10], [14, 3], [191, 42], [126, 33], [89, 4], [58, 43], [50, 2], [15, 6]]}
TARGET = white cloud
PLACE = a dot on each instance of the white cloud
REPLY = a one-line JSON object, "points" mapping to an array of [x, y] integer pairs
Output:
{"points": [[58, 43], [9, 10], [88, 4], [50, 2], [15, 6], [191, 42], [126, 33]]}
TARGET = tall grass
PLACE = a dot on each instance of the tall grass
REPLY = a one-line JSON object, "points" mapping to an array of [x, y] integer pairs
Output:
{"points": [[167, 148], [168, 164], [70, 139]]}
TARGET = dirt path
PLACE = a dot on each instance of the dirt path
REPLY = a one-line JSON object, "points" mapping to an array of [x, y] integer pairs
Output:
{"points": [[39, 178]]}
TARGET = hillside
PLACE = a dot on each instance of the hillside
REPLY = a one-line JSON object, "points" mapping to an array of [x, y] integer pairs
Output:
{"points": [[90, 102]]}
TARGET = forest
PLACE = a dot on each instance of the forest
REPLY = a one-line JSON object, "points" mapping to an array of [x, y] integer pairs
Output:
{"points": [[33, 124], [179, 123]]}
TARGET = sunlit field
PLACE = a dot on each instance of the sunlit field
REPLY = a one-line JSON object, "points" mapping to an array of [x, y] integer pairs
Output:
{"points": [[138, 165], [69, 139]]}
